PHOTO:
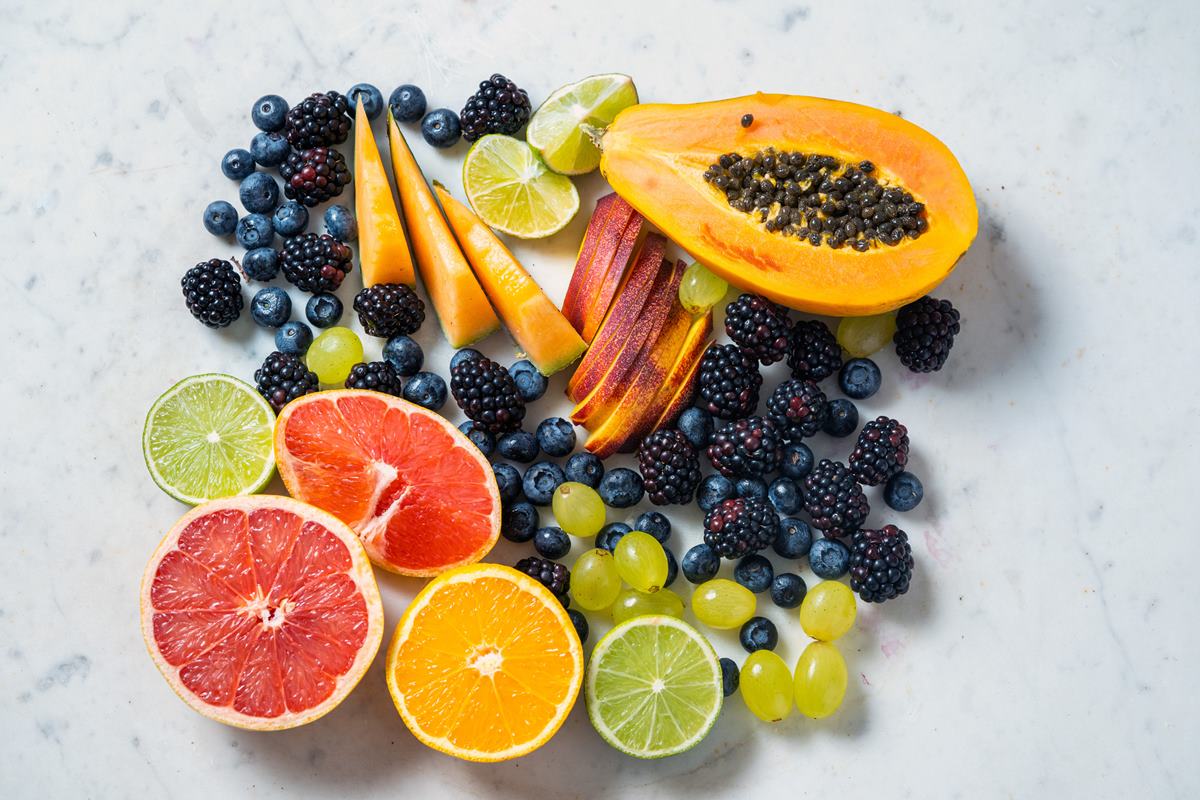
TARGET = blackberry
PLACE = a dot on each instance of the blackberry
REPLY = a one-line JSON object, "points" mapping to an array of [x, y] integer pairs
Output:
{"points": [[761, 327], [315, 263], [282, 378], [498, 107], [881, 451], [740, 526], [554, 576], [747, 448], [213, 292], [486, 393], [728, 382], [834, 500], [389, 309], [669, 466], [799, 409], [814, 353], [925, 331], [377, 376], [881, 564], [318, 121], [314, 176]]}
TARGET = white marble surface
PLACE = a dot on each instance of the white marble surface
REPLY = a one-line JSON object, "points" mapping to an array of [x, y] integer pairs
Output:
{"points": [[1045, 646]]}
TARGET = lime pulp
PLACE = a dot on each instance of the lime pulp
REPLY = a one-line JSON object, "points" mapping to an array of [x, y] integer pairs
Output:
{"points": [[558, 129], [513, 190]]}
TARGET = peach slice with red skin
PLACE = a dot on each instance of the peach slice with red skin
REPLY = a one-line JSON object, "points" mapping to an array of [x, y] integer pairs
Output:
{"points": [[583, 305], [606, 292], [573, 302], [680, 385]]}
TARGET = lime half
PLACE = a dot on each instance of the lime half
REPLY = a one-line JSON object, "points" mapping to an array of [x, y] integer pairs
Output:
{"points": [[653, 687], [513, 190], [556, 129], [210, 436]]}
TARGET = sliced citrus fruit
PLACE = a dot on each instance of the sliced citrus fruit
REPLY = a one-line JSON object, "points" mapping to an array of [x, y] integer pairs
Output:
{"points": [[209, 436], [421, 496], [653, 687], [261, 612], [513, 190], [485, 664], [557, 128]]}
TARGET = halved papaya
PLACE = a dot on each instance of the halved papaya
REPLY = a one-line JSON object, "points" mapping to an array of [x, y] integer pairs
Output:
{"points": [[873, 253]]}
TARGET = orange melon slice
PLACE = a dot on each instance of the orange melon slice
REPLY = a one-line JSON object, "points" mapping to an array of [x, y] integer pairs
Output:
{"points": [[382, 247]]}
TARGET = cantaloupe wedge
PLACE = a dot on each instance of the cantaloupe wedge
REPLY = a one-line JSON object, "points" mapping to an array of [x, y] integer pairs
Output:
{"points": [[536, 324], [382, 246], [462, 307]]}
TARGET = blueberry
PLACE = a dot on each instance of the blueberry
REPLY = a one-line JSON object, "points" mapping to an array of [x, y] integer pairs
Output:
{"points": [[714, 490], [585, 468], [237, 164], [541, 480], [580, 622], [269, 112], [259, 193], [480, 436], [220, 218], [729, 676], [372, 99], [551, 543], [859, 378], [531, 384], [794, 538], [323, 310], [293, 337], [519, 521], [797, 460], [842, 419], [672, 567], [556, 436], [271, 307], [696, 424], [654, 523], [441, 128], [751, 488], [621, 488], [404, 354], [254, 230], [758, 633], [610, 534], [407, 103], [341, 224], [829, 559], [508, 480], [784, 495], [269, 149], [754, 572], [426, 390], [519, 446], [466, 354], [700, 563], [261, 263], [788, 590], [290, 219], [903, 492]]}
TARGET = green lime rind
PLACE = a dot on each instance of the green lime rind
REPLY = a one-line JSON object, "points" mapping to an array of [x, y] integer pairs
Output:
{"points": [[653, 687], [557, 129], [209, 436], [513, 191]]}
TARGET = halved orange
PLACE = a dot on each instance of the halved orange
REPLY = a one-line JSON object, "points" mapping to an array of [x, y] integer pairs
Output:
{"points": [[420, 495], [261, 612], [485, 664]]}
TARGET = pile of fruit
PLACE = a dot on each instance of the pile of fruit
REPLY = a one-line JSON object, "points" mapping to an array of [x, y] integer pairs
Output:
{"points": [[263, 611]]}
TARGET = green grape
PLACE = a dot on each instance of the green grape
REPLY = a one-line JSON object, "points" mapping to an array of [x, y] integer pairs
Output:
{"points": [[641, 561], [723, 604], [595, 583], [766, 686], [820, 680], [333, 353], [700, 290], [578, 509], [632, 603], [828, 610], [863, 336]]}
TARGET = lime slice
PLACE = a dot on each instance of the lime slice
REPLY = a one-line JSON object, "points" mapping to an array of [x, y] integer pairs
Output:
{"points": [[209, 436], [653, 687], [513, 190], [556, 129]]}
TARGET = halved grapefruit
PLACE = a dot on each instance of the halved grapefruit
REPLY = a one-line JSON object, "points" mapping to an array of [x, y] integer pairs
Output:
{"points": [[421, 496], [261, 612]]}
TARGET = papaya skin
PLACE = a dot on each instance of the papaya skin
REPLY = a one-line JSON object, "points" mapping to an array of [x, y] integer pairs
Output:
{"points": [[654, 156]]}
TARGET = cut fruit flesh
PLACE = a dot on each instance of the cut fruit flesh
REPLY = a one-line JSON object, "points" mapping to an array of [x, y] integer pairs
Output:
{"points": [[512, 189], [679, 384], [556, 129], [573, 301], [382, 246], [604, 257]]}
